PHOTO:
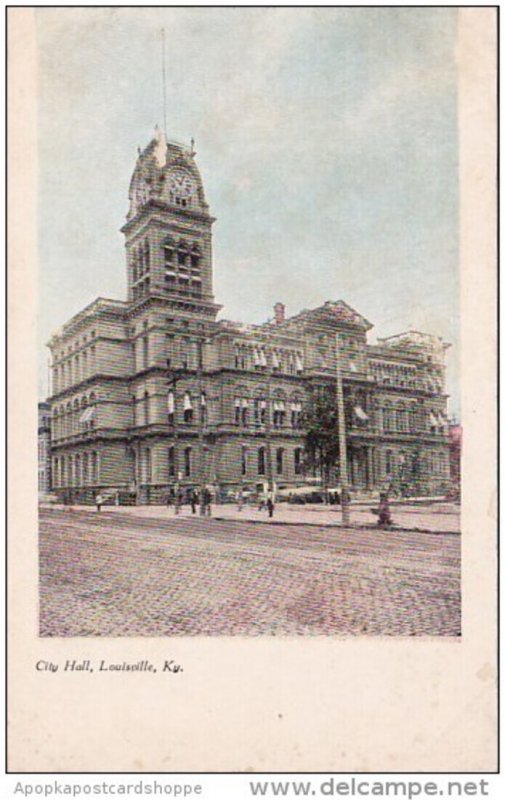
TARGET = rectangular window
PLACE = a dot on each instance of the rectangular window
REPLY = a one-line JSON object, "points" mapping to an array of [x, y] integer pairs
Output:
{"points": [[244, 461], [171, 462]]}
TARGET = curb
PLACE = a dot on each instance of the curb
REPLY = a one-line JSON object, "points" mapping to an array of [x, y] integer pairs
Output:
{"points": [[292, 523], [350, 526]]}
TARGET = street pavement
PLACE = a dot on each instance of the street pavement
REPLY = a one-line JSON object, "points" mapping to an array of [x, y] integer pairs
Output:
{"points": [[130, 573], [433, 517]]}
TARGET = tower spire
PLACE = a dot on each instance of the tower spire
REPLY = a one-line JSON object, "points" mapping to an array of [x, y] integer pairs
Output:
{"points": [[164, 81]]}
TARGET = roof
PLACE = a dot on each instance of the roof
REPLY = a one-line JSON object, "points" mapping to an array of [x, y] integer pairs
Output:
{"points": [[335, 313]]}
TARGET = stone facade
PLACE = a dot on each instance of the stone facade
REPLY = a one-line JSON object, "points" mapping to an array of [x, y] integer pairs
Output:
{"points": [[155, 392], [44, 448]]}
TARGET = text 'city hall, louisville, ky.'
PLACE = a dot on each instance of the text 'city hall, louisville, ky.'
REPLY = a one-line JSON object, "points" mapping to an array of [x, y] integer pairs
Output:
{"points": [[154, 394]]}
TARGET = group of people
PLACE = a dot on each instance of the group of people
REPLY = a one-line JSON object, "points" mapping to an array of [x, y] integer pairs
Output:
{"points": [[178, 497]]}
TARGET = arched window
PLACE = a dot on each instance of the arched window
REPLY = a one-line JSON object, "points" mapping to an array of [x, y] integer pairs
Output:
{"points": [[389, 462], [171, 407], [188, 408], [146, 408], [147, 466], [296, 412], [279, 415], [145, 351], [94, 468], [279, 460], [260, 411], [171, 462], [261, 461], [298, 460], [187, 461]]}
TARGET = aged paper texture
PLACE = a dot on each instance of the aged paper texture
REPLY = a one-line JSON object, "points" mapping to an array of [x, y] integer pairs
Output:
{"points": [[296, 703]]}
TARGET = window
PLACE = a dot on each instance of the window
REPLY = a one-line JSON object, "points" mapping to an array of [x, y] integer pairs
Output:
{"points": [[298, 460], [171, 407], [147, 466], [244, 461], [245, 411], [261, 461], [203, 407], [279, 413], [388, 418], [182, 255], [147, 256], [241, 411], [145, 351], [85, 469], [94, 467], [188, 408], [389, 462], [168, 252], [296, 414], [279, 460], [171, 462], [195, 258], [187, 461], [146, 408], [401, 418]]}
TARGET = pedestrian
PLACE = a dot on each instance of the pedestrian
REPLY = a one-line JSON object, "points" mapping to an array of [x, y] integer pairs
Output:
{"points": [[207, 500], [240, 499], [194, 501], [384, 519], [270, 505], [99, 502]]}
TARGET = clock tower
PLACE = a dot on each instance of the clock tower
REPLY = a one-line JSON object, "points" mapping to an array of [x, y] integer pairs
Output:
{"points": [[168, 235]]}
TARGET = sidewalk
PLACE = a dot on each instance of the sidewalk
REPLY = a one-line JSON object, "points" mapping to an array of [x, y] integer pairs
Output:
{"points": [[443, 518]]}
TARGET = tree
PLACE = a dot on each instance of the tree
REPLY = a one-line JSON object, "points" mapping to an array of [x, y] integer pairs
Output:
{"points": [[320, 422]]}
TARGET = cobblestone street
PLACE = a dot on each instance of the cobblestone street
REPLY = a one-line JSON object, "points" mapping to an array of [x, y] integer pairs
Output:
{"points": [[127, 574]]}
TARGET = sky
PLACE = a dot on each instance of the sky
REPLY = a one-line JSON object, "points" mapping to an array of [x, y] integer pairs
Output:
{"points": [[326, 139]]}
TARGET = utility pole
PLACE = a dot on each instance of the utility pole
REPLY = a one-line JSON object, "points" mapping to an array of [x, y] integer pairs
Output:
{"points": [[344, 492], [269, 432], [173, 383], [201, 422]]}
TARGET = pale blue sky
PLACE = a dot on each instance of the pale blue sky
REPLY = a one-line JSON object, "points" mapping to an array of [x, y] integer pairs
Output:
{"points": [[326, 138]]}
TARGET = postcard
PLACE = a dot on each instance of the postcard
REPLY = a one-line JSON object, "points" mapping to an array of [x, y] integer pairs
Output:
{"points": [[252, 379]]}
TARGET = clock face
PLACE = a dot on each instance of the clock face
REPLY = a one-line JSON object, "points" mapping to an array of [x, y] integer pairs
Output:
{"points": [[181, 184]]}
